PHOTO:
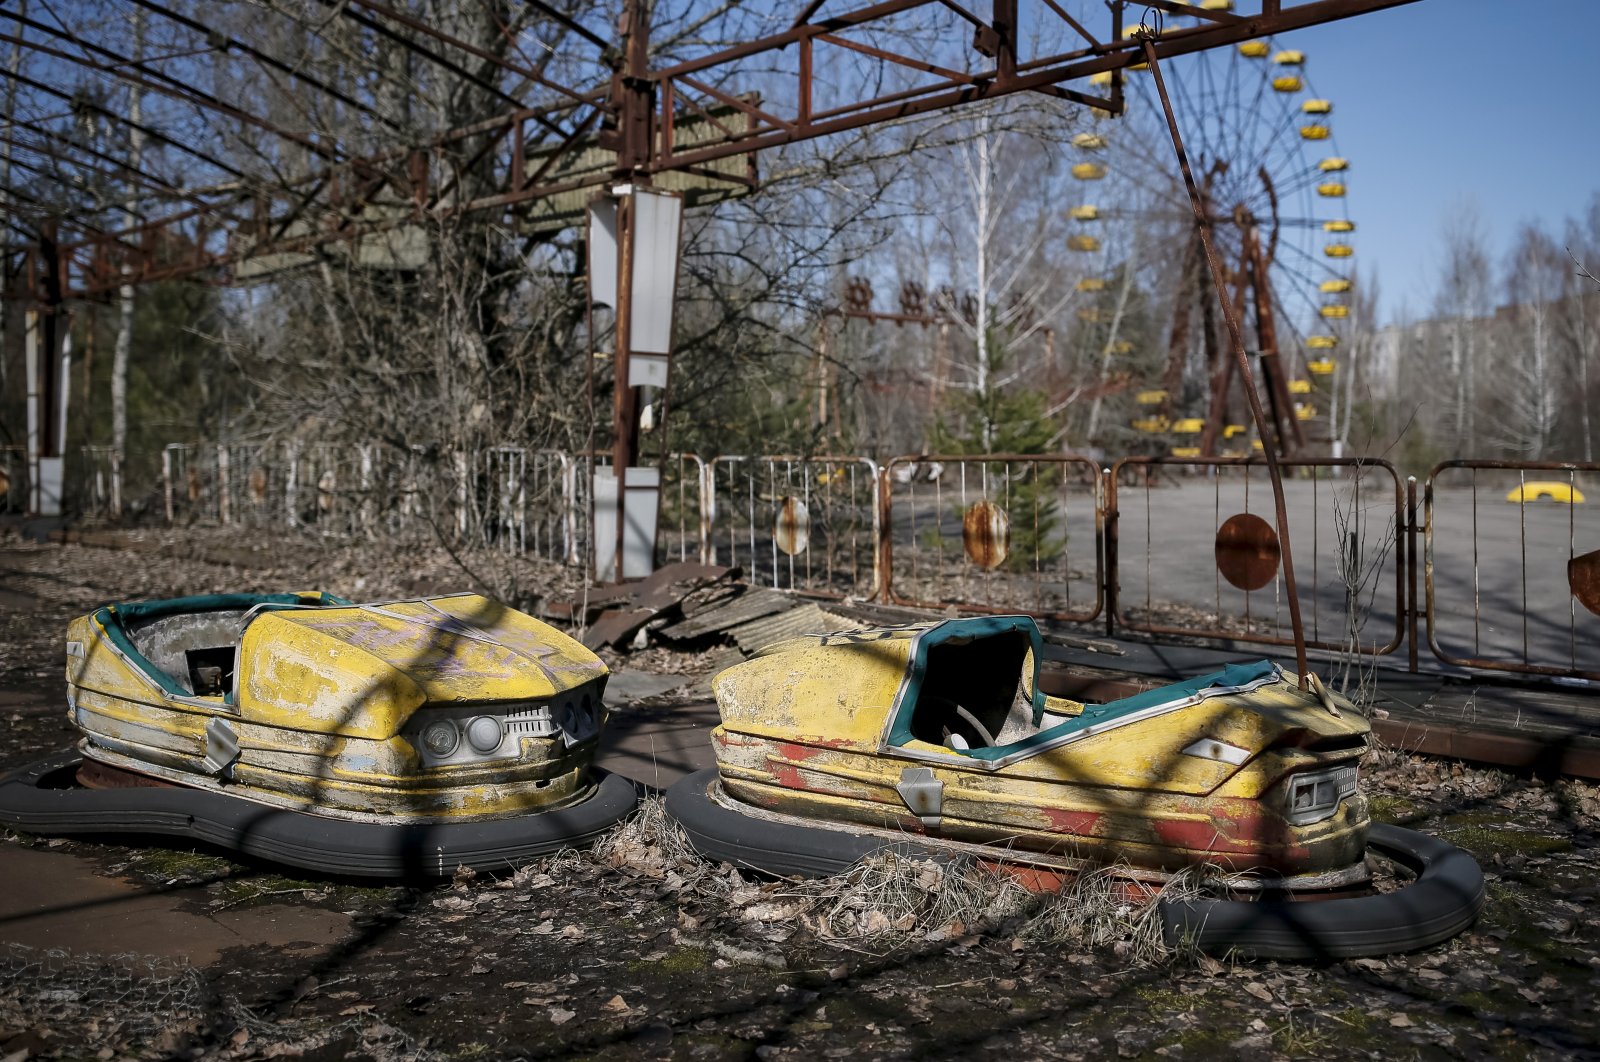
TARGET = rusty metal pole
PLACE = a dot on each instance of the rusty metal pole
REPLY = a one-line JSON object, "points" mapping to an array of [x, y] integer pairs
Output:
{"points": [[634, 99], [1411, 530], [624, 411], [1241, 359], [1283, 412], [1112, 518]]}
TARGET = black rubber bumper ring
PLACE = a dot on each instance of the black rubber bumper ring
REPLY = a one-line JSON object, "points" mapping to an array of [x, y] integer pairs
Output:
{"points": [[1445, 899], [781, 848], [300, 839]]}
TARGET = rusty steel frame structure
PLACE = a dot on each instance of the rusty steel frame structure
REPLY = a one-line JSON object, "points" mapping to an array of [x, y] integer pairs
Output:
{"points": [[634, 115]]}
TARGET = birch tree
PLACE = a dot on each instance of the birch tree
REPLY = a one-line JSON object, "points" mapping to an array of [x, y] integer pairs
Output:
{"points": [[1527, 383], [1463, 304], [1578, 317], [125, 292]]}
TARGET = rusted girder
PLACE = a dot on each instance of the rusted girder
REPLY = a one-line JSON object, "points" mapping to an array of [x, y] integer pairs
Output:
{"points": [[989, 82], [642, 104]]}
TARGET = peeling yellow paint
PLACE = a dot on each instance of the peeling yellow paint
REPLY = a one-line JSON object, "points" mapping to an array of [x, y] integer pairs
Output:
{"points": [[325, 698], [804, 732]]}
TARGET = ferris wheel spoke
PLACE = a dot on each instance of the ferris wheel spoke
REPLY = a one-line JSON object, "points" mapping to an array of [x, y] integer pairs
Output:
{"points": [[1244, 138]]}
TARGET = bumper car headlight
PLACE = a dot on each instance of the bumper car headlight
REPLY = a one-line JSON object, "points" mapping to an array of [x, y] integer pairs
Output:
{"points": [[484, 734], [457, 740], [440, 738], [1312, 796]]}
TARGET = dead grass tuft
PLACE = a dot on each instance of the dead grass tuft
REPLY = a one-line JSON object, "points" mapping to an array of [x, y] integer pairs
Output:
{"points": [[891, 898]]}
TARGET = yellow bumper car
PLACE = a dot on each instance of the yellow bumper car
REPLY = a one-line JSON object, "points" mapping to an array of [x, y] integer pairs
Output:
{"points": [[939, 737], [398, 739]]}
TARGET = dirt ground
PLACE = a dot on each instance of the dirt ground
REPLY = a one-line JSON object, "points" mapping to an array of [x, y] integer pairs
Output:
{"points": [[640, 951]]}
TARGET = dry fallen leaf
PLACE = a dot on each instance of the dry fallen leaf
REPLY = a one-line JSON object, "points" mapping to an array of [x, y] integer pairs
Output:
{"points": [[561, 1017], [1400, 1021], [875, 922], [1259, 990], [617, 1005]]}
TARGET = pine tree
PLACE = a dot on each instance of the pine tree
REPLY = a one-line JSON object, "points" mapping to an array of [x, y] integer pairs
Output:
{"points": [[1005, 416]]}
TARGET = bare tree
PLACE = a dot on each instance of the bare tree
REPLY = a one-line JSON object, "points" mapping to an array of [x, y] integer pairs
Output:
{"points": [[1527, 384], [1353, 375], [998, 245], [1578, 315], [1463, 303], [125, 293]]}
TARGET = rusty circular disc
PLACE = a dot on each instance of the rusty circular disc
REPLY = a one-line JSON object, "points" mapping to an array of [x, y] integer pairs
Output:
{"points": [[792, 527], [986, 534], [1583, 575], [1247, 551]]}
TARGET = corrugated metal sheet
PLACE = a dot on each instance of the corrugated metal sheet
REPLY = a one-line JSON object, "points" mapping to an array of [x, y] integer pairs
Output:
{"points": [[747, 607], [806, 619]]}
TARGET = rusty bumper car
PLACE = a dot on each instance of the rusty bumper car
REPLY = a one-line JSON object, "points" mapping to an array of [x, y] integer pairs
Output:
{"points": [[403, 739], [939, 738]]}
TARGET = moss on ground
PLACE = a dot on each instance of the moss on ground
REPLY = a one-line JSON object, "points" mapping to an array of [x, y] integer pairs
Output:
{"points": [[1486, 840], [172, 864], [680, 962], [1393, 809]]}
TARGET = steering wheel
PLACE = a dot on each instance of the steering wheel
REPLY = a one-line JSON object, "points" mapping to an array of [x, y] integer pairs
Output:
{"points": [[972, 721]]}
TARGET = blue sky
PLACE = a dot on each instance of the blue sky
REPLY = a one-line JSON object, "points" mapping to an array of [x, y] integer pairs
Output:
{"points": [[1442, 103]]}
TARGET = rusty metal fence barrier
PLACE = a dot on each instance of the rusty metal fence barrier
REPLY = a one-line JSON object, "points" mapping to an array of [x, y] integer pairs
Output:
{"points": [[684, 530], [188, 483], [504, 497], [797, 523], [325, 487], [1509, 551], [516, 500], [995, 533], [93, 478], [1347, 518], [13, 479], [252, 482], [1512, 567]]}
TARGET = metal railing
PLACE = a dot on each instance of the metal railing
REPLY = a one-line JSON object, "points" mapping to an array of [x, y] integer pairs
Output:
{"points": [[94, 477], [996, 533], [517, 500], [1510, 572], [1346, 519], [188, 484], [683, 531], [797, 523], [1512, 567]]}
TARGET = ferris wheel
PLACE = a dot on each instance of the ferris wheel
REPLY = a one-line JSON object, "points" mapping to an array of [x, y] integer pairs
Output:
{"points": [[1274, 187]]}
